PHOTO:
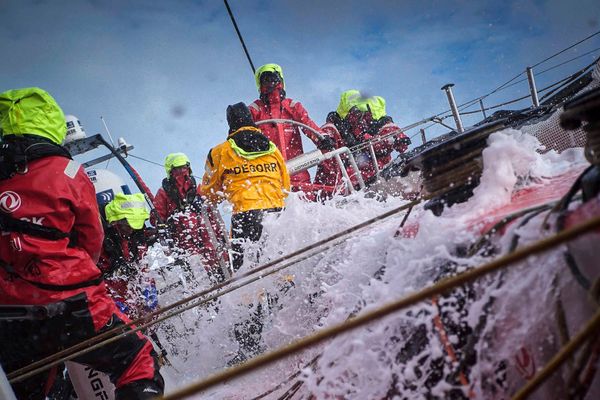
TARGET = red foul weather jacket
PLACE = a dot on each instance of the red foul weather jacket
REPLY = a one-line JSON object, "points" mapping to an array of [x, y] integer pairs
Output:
{"points": [[55, 192], [383, 149], [328, 172], [189, 229], [285, 136], [125, 273]]}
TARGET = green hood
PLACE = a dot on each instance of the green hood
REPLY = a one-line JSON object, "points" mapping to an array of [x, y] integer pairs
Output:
{"points": [[347, 101], [251, 155], [352, 98], [131, 207], [32, 111]]}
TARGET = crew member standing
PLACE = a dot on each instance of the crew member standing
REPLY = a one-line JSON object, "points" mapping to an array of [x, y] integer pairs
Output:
{"points": [[195, 227], [247, 170], [273, 104]]}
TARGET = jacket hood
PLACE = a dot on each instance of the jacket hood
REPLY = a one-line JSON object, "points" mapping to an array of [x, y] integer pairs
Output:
{"points": [[250, 143], [238, 116], [32, 111], [353, 98], [131, 207]]}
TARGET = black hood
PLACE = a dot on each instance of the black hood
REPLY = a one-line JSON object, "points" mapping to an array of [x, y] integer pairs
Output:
{"points": [[238, 116]]}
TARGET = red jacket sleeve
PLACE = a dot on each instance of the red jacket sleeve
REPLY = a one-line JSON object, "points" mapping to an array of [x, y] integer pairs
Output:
{"points": [[301, 115], [160, 204], [87, 225], [400, 140], [330, 130]]}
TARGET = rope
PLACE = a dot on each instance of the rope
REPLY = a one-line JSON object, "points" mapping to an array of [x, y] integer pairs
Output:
{"points": [[436, 118], [148, 161], [119, 331], [590, 329], [237, 30], [414, 298], [296, 374], [558, 65], [568, 79], [501, 87], [449, 349], [499, 105], [507, 83], [253, 275], [568, 61], [563, 50]]}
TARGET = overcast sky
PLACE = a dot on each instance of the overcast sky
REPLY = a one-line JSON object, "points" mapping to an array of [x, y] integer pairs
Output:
{"points": [[162, 73]]}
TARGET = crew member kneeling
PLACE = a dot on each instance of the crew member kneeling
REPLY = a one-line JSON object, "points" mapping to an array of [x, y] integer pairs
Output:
{"points": [[247, 170]]}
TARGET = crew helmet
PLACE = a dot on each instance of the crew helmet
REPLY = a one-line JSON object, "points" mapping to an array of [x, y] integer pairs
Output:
{"points": [[268, 68], [131, 207], [31, 111], [175, 160]]}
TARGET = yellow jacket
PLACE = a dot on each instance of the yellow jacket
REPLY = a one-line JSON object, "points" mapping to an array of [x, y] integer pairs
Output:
{"points": [[247, 170]]}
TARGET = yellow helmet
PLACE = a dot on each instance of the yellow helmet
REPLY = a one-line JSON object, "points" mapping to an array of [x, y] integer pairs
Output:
{"points": [[271, 68], [131, 207], [175, 160]]}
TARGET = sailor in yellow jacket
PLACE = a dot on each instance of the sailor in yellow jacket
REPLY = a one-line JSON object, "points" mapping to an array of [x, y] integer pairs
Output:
{"points": [[249, 171]]}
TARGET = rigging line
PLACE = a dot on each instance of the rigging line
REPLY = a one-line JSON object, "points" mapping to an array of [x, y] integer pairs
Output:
{"points": [[498, 105], [568, 78], [474, 101], [237, 30], [505, 85], [568, 61], [112, 335], [433, 118], [148, 161], [558, 65], [499, 88], [439, 288], [112, 142], [137, 328], [563, 50]]}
